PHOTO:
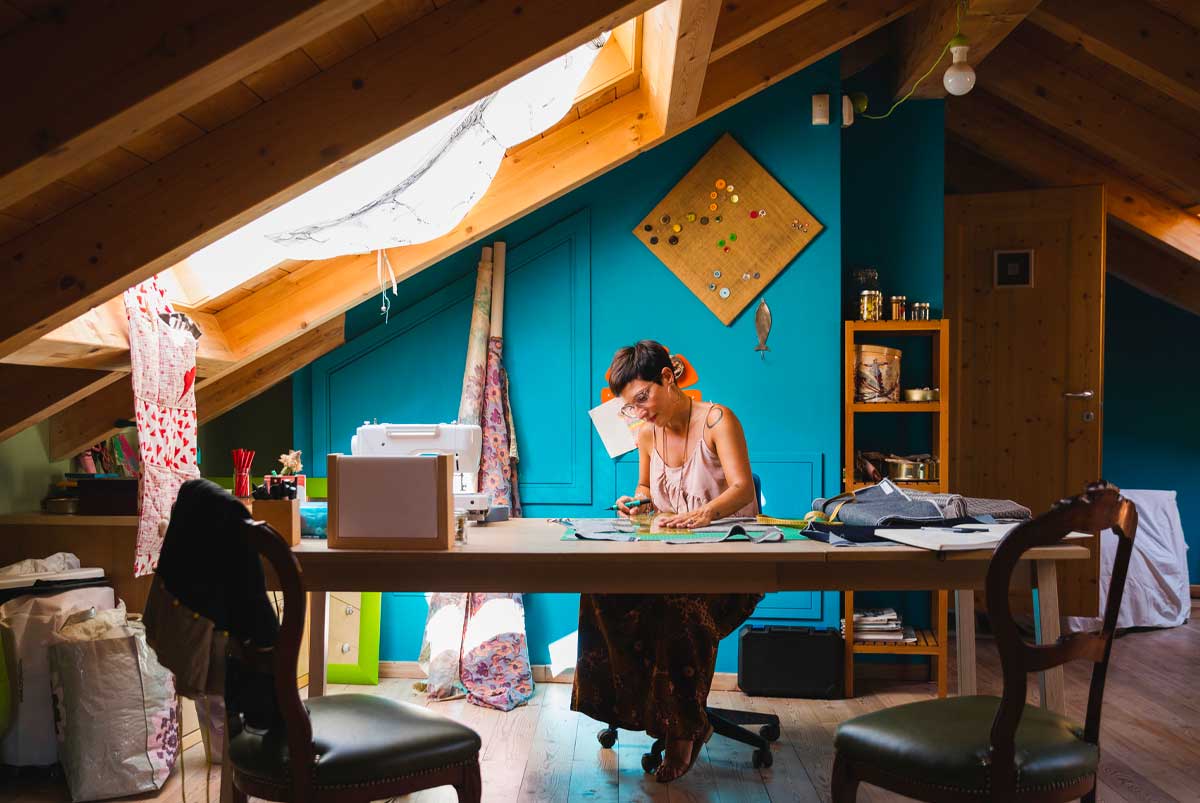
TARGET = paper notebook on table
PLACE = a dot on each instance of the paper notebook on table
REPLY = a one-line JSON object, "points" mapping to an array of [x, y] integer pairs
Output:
{"points": [[953, 539]]}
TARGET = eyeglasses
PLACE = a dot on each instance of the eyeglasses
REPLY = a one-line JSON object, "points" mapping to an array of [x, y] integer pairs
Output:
{"points": [[639, 403]]}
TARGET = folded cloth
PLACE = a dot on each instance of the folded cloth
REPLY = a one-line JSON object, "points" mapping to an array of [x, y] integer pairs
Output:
{"points": [[734, 533], [58, 562], [955, 506], [877, 505]]}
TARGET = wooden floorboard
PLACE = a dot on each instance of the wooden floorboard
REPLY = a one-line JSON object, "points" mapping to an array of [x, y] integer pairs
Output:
{"points": [[1150, 741]]}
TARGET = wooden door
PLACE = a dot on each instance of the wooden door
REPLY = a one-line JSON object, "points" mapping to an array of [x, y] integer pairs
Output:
{"points": [[1028, 352]]}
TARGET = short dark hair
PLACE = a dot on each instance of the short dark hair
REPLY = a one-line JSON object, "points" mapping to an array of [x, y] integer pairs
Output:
{"points": [[645, 360]]}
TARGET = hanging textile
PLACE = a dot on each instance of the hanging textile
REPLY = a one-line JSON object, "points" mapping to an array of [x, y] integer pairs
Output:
{"points": [[475, 643], [162, 354]]}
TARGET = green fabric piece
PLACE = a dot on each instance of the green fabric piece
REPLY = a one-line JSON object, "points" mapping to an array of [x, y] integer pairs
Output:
{"points": [[945, 743]]}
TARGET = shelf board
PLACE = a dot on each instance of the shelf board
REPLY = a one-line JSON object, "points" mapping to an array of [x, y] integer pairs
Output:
{"points": [[920, 485], [926, 645], [898, 407], [896, 326]]}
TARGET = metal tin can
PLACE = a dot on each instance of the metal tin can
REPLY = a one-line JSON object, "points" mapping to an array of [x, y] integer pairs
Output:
{"points": [[870, 305], [899, 308]]}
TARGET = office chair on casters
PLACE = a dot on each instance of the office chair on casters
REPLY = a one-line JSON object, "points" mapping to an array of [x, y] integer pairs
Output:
{"points": [[726, 722], [1000, 748]]}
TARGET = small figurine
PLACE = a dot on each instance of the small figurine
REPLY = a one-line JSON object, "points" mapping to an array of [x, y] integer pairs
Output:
{"points": [[291, 462]]}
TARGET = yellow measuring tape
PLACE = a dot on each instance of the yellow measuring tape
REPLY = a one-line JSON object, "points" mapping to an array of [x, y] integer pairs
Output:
{"points": [[811, 516]]}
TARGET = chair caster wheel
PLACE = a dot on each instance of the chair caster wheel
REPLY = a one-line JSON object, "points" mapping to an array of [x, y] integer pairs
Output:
{"points": [[607, 737], [650, 762], [762, 759], [769, 732]]}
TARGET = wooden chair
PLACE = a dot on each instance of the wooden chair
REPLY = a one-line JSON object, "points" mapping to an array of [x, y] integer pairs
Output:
{"points": [[989, 748], [342, 747]]}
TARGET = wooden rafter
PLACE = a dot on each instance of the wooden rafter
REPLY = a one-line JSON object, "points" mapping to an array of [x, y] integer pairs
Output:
{"points": [[1111, 124], [1000, 133], [92, 419], [742, 23], [923, 34], [677, 38], [1152, 270], [154, 218], [100, 339], [1138, 39], [109, 71], [30, 395], [792, 47]]}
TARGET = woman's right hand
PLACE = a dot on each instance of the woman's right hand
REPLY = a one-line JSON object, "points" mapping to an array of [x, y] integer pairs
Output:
{"points": [[622, 510]]}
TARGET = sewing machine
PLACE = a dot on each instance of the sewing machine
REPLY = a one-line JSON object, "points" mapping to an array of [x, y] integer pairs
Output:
{"points": [[463, 441]]}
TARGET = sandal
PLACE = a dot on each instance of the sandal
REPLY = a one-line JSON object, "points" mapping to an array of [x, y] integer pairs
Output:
{"points": [[668, 772]]}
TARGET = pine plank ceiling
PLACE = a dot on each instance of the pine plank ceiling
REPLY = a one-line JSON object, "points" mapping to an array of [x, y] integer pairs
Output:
{"points": [[155, 128]]}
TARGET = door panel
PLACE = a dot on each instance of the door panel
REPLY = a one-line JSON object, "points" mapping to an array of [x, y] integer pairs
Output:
{"points": [[1020, 349]]}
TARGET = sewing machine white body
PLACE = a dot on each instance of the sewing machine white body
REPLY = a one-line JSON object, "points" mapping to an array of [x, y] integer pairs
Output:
{"points": [[463, 441]]}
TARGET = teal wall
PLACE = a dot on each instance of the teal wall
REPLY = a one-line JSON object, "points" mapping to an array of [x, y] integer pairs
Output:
{"points": [[1151, 439], [789, 403]]}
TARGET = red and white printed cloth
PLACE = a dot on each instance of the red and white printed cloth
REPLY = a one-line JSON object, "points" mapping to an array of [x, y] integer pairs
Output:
{"points": [[163, 359]]}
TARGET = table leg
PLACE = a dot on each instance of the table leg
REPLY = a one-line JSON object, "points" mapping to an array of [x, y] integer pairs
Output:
{"points": [[964, 629], [1050, 682], [226, 770], [318, 638]]}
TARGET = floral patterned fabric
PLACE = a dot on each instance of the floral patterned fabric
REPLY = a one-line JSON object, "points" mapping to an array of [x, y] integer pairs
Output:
{"points": [[498, 469], [163, 359], [475, 644], [646, 661]]}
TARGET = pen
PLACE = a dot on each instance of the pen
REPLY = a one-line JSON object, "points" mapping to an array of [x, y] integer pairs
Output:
{"points": [[631, 504]]}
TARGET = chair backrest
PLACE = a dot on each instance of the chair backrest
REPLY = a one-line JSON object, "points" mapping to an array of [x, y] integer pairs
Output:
{"points": [[283, 658], [1101, 507], [758, 497]]}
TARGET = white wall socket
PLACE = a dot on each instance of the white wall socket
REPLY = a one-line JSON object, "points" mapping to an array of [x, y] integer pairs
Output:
{"points": [[820, 109]]}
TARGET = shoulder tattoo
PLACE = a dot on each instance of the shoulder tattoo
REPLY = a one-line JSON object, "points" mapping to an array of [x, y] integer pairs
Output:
{"points": [[715, 415]]}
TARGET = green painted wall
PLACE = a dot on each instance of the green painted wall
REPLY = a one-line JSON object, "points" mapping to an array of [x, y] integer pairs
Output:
{"points": [[26, 470]]}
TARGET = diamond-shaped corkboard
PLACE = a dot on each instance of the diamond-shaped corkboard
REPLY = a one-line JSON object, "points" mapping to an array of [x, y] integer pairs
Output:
{"points": [[727, 229]]}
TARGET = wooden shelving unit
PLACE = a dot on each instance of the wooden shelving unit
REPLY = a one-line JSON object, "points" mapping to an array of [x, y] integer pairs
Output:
{"points": [[933, 641]]}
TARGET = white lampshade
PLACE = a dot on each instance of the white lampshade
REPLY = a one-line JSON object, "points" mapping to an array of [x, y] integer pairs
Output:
{"points": [[960, 76]]}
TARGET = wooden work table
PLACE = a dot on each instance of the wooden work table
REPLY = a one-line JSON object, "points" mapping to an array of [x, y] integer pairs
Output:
{"points": [[528, 555]]}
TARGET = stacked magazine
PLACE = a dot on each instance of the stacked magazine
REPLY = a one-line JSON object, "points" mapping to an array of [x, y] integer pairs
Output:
{"points": [[880, 624]]}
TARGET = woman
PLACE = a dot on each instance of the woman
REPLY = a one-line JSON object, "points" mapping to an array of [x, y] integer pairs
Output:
{"points": [[646, 661]]}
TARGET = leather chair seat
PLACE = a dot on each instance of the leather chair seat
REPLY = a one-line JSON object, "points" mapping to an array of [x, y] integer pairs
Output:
{"points": [[360, 739], [944, 743]]}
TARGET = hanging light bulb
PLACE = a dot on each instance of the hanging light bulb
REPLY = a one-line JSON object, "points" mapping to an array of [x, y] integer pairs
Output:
{"points": [[960, 76]]}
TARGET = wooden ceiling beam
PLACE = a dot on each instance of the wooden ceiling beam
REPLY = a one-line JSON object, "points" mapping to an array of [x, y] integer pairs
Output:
{"points": [[152, 220], [921, 37], [1165, 276], [792, 47], [676, 41], [741, 23], [110, 71], [30, 395], [1084, 110], [1147, 43], [92, 419], [99, 339], [989, 126]]}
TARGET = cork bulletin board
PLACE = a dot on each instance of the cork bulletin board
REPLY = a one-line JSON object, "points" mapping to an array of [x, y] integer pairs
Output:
{"points": [[727, 229]]}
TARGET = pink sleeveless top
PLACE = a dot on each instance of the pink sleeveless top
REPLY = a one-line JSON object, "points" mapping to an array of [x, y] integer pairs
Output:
{"points": [[697, 482]]}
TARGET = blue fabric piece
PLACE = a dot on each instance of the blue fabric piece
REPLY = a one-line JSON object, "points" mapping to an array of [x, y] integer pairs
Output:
{"points": [[880, 505]]}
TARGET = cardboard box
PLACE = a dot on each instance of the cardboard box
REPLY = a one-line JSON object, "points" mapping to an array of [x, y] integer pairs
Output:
{"points": [[390, 502], [282, 514]]}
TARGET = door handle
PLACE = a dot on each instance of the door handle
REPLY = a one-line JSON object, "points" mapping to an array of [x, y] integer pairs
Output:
{"points": [[1083, 394]]}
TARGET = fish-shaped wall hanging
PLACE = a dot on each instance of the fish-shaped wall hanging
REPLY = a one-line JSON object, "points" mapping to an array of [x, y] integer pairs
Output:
{"points": [[762, 326]]}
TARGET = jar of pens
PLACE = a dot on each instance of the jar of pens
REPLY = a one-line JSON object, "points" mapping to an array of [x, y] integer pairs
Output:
{"points": [[242, 458]]}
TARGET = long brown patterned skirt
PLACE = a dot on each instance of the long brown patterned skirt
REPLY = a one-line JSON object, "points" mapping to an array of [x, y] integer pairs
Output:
{"points": [[646, 661]]}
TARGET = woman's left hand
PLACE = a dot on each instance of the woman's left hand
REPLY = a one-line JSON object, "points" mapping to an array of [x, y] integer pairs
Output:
{"points": [[701, 517]]}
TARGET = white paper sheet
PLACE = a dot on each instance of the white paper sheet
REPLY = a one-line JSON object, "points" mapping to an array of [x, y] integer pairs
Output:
{"points": [[612, 428]]}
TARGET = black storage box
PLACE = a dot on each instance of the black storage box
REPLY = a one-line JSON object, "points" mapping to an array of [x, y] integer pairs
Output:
{"points": [[790, 661], [116, 496]]}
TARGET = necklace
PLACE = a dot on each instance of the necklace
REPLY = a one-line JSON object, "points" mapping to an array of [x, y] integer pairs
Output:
{"points": [[687, 433]]}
